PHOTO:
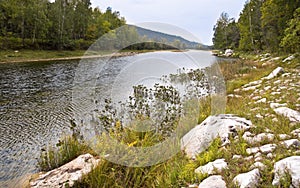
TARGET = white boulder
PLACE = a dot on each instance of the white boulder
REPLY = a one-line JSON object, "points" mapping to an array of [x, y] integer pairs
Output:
{"points": [[275, 73], [290, 166], [290, 58], [268, 148], [293, 115], [290, 143], [215, 181], [212, 167], [199, 138], [248, 180], [228, 52], [66, 175]]}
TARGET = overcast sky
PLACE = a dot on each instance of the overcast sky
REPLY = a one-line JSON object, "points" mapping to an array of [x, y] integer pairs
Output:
{"points": [[195, 16]]}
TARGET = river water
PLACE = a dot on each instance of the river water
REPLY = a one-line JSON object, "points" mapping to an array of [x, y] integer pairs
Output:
{"points": [[38, 99]]}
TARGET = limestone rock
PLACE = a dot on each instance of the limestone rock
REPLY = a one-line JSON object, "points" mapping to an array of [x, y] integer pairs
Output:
{"points": [[234, 96], [263, 100], [290, 165], [199, 138], [252, 150], [293, 115], [215, 181], [259, 165], [283, 136], [248, 180], [254, 83], [258, 138], [212, 167], [290, 58], [66, 175], [268, 148], [290, 143], [277, 105], [264, 149], [236, 157], [251, 88], [270, 155], [296, 132], [274, 73], [228, 52]]}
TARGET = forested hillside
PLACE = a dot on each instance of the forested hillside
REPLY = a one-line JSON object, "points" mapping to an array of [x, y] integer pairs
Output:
{"points": [[263, 25], [62, 24]]}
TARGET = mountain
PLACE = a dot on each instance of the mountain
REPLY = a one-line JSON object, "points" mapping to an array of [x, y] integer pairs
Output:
{"points": [[167, 38]]}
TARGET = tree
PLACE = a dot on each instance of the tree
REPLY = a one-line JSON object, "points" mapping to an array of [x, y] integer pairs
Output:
{"points": [[291, 40], [226, 33], [249, 25], [275, 17]]}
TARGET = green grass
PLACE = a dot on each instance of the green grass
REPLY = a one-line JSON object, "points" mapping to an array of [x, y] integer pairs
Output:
{"points": [[40, 55], [66, 150]]}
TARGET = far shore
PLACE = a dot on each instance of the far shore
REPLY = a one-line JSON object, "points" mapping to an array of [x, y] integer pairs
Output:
{"points": [[67, 57], [25, 56]]}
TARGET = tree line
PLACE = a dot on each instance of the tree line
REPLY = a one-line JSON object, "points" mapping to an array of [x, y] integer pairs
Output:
{"points": [[263, 25], [62, 24], [70, 25]]}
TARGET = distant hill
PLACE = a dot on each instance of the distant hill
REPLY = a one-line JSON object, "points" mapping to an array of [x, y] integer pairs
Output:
{"points": [[159, 36]]}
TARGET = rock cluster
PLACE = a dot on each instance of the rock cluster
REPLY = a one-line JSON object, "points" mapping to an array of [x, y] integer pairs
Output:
{"points": [[261, 146]]}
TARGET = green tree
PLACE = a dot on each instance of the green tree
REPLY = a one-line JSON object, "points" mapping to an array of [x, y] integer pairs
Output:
{"points": [[226, 33], [275, 17], [249, 25], [291, 40]]}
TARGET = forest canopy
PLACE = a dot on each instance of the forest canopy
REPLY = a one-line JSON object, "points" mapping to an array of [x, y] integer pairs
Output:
{"points": [[62, 24], [263, 25]]}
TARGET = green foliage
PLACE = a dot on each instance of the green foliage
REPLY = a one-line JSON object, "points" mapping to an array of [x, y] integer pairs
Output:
{"points": [[291, 40], [262, 25], [61, 24], [275, 17], [226, 33], [250, 26]]}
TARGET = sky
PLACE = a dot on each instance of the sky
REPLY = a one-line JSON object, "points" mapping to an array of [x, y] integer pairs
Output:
{"points": [[196, 17]]}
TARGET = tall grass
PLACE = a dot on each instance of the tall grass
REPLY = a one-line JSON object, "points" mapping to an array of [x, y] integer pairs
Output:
{"points": [[65, 151]]}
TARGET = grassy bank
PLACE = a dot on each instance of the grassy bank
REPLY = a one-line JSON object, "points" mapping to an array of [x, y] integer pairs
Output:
{"points": [[9, 56], [179, 170], [29, 55]]}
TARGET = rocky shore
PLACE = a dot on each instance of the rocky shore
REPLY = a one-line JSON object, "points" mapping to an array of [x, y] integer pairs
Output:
{"points": [[261, 146]]}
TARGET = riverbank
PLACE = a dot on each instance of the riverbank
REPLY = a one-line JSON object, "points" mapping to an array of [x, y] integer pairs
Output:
{"points": [[21, 56], [255, 93], [48, 55]]}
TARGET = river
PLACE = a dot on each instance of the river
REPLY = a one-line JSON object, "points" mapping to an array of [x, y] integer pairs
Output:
{"points": [[37, 99]]}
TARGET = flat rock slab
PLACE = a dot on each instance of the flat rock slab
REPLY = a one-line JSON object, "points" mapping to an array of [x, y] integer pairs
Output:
{"points": [[215, 181], [212, 167], [66, 175], [199, 138], [291, 143], [248, 180], [293, 115], [290, 165]]}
